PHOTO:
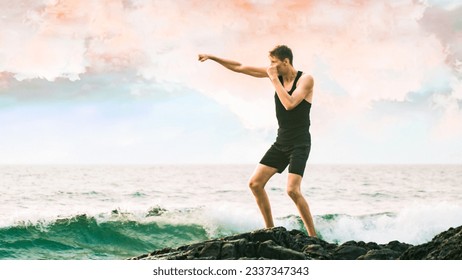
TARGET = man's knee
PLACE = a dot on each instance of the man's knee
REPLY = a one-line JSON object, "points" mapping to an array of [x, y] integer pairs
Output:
{"points": [[255, 184], [260, 177], [293, 186], [294, 192]]}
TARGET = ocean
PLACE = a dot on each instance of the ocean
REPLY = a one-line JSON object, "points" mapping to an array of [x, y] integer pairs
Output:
{"points": [[117, 212]]}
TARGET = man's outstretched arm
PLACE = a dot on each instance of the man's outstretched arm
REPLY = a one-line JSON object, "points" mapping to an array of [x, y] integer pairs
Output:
{"points": [[259, 72]]}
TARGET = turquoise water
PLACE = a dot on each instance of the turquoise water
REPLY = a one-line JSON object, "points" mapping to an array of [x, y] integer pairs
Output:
{"points": [[83, 237], [116, 212]]}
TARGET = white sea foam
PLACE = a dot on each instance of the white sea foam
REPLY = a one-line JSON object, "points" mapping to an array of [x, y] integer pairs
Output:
{"points": [[415, 224]]}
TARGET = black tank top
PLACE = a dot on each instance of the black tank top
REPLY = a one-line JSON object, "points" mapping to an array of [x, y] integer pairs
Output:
{"points": [[294, 125]]}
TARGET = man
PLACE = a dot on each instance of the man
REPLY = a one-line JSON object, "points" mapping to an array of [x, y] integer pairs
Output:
{"points": [[293, 97]]}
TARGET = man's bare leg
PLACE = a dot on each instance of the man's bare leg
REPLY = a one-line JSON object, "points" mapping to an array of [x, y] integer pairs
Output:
{"points": [[257, 183], [294, 182]]}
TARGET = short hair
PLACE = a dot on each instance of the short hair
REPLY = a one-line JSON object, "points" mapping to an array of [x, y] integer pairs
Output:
{"points": [[282, 52]]}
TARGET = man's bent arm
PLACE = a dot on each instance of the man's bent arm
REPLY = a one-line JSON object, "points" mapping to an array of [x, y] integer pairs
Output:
{"points": [[259, 72], [301, 92]]}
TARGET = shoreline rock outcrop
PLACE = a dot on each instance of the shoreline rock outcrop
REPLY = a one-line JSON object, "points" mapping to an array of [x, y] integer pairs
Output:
{"points": [[281, 244]]}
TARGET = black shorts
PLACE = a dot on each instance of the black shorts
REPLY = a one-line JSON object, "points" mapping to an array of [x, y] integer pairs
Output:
{"points": [[279, 156]]}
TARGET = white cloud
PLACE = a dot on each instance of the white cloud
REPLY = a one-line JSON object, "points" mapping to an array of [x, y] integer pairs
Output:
{"points": [[360, 54]]}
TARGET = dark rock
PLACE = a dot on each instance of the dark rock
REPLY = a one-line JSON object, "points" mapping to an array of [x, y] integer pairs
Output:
{"points": [[348, 252], [278, 243], [270, 250], [300, 241], [373, 246], [156, 211], [380, 254], [263, 235], [317, 252], [228, 251], [445, 246], [211, 250], [397, 246]]}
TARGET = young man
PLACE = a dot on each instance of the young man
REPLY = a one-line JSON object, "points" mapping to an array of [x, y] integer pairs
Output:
{"points": [[293, 97]]}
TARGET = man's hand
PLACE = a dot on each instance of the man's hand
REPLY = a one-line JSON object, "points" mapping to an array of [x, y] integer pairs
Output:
{"points": [[203, 57], [272, 72]]}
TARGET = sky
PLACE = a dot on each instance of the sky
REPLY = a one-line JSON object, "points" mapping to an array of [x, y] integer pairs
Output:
{"points": [[119, 82]]}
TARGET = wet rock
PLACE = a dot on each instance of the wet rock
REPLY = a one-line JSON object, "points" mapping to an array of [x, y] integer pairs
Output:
{"points": [[270, 250], [211, 250], [278, 243], [317, 252], [398, 246], [156, 211], [380, 254], [445, 246], [228, 251], [348, 252]]}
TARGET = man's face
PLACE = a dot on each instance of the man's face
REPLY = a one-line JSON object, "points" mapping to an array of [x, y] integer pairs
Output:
{"points": [[280, 65]]}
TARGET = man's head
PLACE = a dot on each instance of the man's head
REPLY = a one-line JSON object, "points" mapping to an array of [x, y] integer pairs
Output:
{"points": [[282, 52]]}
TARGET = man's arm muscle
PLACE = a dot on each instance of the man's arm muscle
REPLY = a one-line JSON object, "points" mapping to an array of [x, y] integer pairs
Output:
{"points": [[259, 72], [302, 91]]}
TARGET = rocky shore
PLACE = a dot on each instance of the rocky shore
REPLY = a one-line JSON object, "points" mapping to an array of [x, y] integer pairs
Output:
{"points": [[281, 244]]}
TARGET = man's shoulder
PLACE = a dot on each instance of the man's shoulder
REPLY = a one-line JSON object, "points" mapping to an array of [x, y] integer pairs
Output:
{"points": [[305, 75], [306, 78]]}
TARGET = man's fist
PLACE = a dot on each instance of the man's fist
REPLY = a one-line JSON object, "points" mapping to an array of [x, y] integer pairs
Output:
{"points": [[272, 71], [203, 57]]}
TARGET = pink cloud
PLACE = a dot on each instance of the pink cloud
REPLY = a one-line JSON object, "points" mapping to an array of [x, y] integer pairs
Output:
{"points": [[373, 50]]}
